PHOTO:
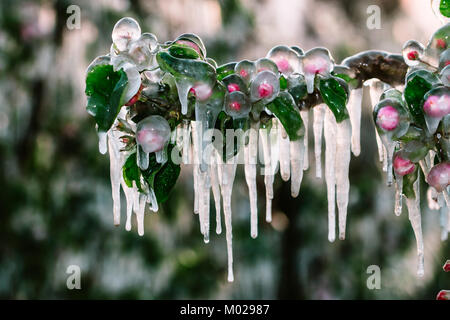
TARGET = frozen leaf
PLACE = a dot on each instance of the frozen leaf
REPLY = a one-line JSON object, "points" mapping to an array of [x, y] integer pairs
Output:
{"points": [[105, 90], [225, 70], [334, 92], [283, 107]]}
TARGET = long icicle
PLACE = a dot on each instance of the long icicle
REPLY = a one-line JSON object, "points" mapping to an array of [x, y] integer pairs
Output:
{"points": [[354, 111], [342, 162], [251, 154], [305, 117], [415, 219], [215, 184], [268, 177], [330, 178], [228, 174], [319, 114], [376, 89], [297, 148], [115, 170]]}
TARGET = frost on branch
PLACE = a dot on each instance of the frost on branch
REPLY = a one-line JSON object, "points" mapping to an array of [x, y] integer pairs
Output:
{"points": [[160, 106]]}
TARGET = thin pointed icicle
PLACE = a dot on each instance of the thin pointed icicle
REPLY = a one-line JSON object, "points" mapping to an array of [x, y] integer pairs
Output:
{"points": [[330, 178], [251, 154], [268, 176], [283, 145], [305, 117], [204, 204], [142, 158], [389, 148], [376, 90], [140, 214], [227, 180], [151, 199], [319, 114], [194, 153], [354, 111], [342, 161], [183, 88], [115, 170], [398, 195], [129, 199], [215, 184], [297, 148], [186, 141], [415, 219]]}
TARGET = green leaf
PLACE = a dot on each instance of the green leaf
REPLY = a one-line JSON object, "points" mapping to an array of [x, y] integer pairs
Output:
{"points": [[444, 8], [418, 84], [283, 83], [105, 89], [131, 172], [297, 88], [225, 70], [334, 92], [351, 82], [408, 184], [283, 107], [183, 51], [194, 70]]}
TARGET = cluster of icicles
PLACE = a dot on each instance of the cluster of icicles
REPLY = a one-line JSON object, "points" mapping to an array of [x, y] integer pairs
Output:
{"points": [[289, 157]]}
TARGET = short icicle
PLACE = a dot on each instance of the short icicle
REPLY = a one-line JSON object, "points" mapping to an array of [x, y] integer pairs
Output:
{"points": [[251, 154], [330, 178], [102, 142], [354, 110], [305, 117], [297, 148], [319, 113], [415, 219], [342, 165], [398, 195]]}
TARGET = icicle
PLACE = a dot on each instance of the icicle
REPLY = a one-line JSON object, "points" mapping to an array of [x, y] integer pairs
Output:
{"points": [[415, 219], [142, 158], [251, 154], [354, 110], [194, 153], [283, 145], [204, 204], [140, 214], [151, 199], [330, 178], [183, 87], [115, 170], [129, 198], [342, 161], [268, 176], [161, 156], [398, 195], [305, 117], [216, 189], [228, 174], [376, 90], [388, 152], [297, 148], [102, 142], [186, 141], [319, 113]]}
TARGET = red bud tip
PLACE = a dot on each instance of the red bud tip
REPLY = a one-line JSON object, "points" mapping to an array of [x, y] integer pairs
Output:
{"points": [[413, 55], [443, 295]]}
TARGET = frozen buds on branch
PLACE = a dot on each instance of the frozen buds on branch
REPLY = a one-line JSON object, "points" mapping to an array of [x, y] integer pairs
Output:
{"points": [[156, 105]]}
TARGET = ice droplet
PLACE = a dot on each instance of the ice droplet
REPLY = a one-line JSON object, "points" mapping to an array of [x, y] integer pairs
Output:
{"points": [[251, 154], [304, 114], [102, 142], [415, 219], [125, 30], [319, 114], [354, 110], [330, 178], [343, 146]]}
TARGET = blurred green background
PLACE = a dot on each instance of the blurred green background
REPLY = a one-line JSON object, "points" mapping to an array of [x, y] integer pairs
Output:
{"points": [[56, 206]]}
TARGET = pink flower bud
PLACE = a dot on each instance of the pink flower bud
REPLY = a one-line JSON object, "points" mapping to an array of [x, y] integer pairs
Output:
{"points": [[446, 266], [403, 166], [201, 91], [233, 87], [316, 65], [437, 106], [439, 176], [388, 118], [265, 90], [441, 44], [413, 55], [283, 65], [443, 295], [236, 106]]}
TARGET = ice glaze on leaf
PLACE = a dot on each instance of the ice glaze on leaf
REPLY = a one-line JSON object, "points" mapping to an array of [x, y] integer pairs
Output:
{"points": [[131, 172], [444, 8], [283, 107], [335, 94], [105, 89], [194, 70]]}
